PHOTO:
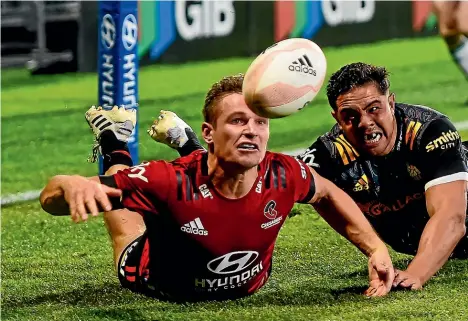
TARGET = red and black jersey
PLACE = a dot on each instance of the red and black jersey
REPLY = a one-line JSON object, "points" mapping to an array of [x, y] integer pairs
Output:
{"points": [[390, 189], [202, 243]]}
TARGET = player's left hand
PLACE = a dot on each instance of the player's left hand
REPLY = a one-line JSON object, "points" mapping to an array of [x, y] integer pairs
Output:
{"points": [[381, 273], [405, 280]]}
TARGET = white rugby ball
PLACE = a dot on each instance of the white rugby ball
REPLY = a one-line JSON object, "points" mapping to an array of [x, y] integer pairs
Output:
{"points": [[284, 78]]}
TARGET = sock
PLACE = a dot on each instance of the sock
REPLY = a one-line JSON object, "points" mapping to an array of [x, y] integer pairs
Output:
{"points": [[114, 151], [458, 46], [191, 145]]}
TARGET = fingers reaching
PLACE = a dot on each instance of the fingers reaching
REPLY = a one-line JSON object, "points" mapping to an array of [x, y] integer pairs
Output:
{"points": [[85, 196], [386, 274]]}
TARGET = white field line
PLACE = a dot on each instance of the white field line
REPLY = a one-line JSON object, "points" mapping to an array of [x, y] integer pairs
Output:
{"points": [[11, 199]]}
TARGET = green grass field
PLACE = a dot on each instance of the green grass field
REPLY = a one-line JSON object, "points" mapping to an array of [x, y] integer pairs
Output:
{"points": [[52, 269]]}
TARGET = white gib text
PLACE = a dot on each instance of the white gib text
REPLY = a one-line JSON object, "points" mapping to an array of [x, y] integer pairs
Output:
{"points": [[206, 19], [347, 12], [138, 171]]}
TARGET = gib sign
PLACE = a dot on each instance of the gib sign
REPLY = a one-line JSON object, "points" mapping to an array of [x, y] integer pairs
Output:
{"points": [[205, 19]]}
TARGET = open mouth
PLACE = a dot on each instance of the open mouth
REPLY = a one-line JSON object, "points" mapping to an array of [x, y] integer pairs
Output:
{"points": [[247, 147], [372, 138]]}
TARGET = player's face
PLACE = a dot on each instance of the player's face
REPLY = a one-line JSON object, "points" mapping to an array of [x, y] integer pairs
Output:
{"points": [[367, 119], [238, 136]]}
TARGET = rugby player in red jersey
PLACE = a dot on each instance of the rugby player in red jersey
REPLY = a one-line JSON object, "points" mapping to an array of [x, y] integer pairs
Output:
{"points": [[204, 226]]}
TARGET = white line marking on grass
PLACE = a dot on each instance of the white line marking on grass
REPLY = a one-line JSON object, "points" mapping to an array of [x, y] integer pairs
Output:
{"points": [[11, 199]]}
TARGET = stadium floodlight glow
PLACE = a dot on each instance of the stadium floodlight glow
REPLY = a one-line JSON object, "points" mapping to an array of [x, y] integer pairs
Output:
{"points": [[118, 61]]}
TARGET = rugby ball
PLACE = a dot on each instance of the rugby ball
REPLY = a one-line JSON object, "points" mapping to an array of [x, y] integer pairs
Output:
{"points": [[284, 78]]}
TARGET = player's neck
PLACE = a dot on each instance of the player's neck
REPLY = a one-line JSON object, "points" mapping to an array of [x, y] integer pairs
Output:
{"points": [[230, 181], [392, 138]]}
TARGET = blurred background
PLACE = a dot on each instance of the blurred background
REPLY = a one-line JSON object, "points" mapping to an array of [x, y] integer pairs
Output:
{"points": [[62, 36], [60, 57]]}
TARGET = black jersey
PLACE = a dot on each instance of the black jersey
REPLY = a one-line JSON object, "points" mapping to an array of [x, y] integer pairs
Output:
{"points": [[390, 189]]}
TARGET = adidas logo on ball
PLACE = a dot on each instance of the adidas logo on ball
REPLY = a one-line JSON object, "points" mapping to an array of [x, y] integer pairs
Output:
{"points": [[303, 65]]}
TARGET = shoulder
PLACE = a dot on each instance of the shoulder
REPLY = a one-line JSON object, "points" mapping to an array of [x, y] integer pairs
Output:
{"points": [[418, 122], [189, 161], [279, 162], [418, 113], [440, 133], [155, 169], [334, 148]]}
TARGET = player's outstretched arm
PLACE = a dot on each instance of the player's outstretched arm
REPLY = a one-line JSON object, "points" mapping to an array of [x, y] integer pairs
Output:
{"points": [[443, 166], [77, 196], [343, 214], [446, 205]]}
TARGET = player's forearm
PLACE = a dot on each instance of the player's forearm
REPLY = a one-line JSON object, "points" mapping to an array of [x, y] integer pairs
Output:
{"points": [[439, 238], [342, 213], [52, 197]]}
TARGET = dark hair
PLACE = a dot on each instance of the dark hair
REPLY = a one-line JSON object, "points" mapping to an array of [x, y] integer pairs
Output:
{"points": [[355, 75], [227, 85]]}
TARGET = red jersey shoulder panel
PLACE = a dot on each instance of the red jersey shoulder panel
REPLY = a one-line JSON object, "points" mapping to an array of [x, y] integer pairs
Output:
{"points": [[295, 172]]}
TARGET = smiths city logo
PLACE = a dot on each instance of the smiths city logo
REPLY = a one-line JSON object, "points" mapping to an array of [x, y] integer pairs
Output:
{"points": [[444, 141], [303, 64], [270, 212], [362, 184]]}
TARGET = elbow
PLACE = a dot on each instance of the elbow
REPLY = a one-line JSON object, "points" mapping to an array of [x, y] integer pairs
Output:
{"points": [[43, 199], [461, 230], [459, 224], [48, 198]]}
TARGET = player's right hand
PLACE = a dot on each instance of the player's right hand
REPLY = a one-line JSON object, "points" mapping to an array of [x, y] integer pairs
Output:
{"points": [[381, 273], [87, 196]]}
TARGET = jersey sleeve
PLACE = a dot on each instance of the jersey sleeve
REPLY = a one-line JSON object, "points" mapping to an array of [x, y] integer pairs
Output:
{"points": [[320, 158], [144, 186], [441, 154], [301, 178]]}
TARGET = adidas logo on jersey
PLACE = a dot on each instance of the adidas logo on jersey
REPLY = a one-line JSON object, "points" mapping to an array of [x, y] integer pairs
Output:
{"points": [[194, 227], [362, 184], [304, 65]]}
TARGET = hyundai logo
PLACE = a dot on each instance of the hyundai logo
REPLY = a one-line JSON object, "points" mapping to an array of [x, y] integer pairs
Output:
{"points": [[232, 262], [129, 32], [108, 31]]}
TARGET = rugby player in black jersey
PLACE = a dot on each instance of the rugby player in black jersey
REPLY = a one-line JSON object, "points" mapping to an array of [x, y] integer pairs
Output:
{"points": [[404, 165]]}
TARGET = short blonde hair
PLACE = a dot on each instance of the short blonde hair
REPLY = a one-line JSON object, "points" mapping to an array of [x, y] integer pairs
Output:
{"points": [[227, 85]]}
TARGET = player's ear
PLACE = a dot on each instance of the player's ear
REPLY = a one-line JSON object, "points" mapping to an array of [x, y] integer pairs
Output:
{"points": [[333, 113], [391, 102], [207, 132]]}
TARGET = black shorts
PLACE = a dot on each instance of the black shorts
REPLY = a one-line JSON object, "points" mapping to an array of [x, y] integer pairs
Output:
{"points": [[133, 267], [133, 272]]}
